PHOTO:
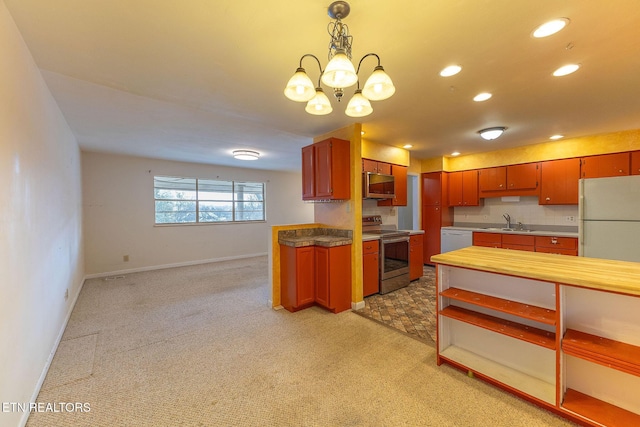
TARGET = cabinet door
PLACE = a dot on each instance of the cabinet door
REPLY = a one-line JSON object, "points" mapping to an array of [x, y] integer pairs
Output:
{"points": [[470, 195], [455, 188], [432, 188], [415, 256], [522, 177], [296, 277], [559, 182], [369, 166], [308, 173], [493, 179], [323, 178], [605, 165], [370, 267], [635, 163], [490, 240], [431, 224], [400, 184], [322, 275], [304, 275], [385, 168]]}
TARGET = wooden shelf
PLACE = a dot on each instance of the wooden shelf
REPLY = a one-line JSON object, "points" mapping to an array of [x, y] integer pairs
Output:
{"points": [[510, 377], [526, 311], [613, 354], [515, 330], [597, 410]]}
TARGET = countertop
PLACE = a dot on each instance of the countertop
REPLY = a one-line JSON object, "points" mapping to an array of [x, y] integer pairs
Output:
{"points": [[327, 237], [535, 232], [593, 273], [367, 236]]}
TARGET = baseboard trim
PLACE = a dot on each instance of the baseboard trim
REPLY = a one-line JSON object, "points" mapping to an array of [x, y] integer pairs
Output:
{"points": [[357, 305], [47, 365], [173, 265]]}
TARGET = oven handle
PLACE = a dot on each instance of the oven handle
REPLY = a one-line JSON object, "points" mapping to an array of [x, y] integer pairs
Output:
{"points": [[396, 240]]}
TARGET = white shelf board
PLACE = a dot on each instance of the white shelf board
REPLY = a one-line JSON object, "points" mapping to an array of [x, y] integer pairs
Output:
{"points": [[526, 383]]}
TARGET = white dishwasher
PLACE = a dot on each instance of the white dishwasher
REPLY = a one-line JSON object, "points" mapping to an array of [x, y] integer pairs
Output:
{"points": [[452, 239]]}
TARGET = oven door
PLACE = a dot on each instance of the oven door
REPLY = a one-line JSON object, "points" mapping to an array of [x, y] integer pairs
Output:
{"points": [[394, 265]]}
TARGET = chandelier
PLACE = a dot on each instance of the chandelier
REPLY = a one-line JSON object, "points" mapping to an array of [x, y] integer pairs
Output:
{"points": [[339, 74]]}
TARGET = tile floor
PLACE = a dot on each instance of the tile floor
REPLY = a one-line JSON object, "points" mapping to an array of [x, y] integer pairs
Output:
{"points": [[410, 310]]}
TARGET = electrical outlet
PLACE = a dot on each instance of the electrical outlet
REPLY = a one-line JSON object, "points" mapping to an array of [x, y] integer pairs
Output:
{"points": [[125, 258], [570, 218], [66, 294]]}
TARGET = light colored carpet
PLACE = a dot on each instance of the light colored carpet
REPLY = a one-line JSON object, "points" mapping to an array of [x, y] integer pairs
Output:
{"points": [[198, 346]]}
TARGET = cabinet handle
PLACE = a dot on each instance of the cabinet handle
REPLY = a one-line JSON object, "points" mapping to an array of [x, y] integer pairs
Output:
{"points": [[548, 199], [620, 171], [500, 185], [554, 241]]}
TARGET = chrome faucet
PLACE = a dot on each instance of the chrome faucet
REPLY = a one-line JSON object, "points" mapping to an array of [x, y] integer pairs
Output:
{"points": [[508, 218]]}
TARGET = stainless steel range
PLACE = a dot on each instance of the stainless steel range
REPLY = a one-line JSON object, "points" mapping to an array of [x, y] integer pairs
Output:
{"points": [[394, 253]]}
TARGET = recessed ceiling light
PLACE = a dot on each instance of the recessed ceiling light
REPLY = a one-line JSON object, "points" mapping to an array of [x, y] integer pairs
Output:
{"points": [[482, 96], [246, 155], [551, 27], [407, 146], [566, 69], [556, 137], [451, 70], [492, 133], [362, 132], [455, 153]]}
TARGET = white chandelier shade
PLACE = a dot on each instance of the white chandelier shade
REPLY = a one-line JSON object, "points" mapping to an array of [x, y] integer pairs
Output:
{"points": [[300, 88], [340, 72], [358, 106], [319, 105], [378, 86]]}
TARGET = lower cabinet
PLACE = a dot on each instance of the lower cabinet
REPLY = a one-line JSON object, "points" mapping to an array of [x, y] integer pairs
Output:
{"points": [[524, 242], [297, 277], [415, 256], [371, 267], [315, 274], [572, 349]]}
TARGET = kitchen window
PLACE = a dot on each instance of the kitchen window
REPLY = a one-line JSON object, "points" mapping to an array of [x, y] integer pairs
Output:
{"points": [[194, 201]]}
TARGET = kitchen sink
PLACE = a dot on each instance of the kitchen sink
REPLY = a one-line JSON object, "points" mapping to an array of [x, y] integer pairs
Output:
{"points": [[505, 229]]}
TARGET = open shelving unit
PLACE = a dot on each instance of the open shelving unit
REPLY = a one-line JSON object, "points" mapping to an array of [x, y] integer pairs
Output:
{"points": [[560, 331]]}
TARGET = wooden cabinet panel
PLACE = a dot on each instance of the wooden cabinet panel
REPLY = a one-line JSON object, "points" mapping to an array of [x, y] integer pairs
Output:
{"points": [[463, 188], [370, 267], [333, 277], [296, 277], [492, 179], [522, 177], [605, 165], [432, 185], [635, 163], [375, 166], [556, 242], [400, 184], [559, 182], [435, 212], [322, 275], [491, 240], [328, 170], [518, 239], [415, 256]]}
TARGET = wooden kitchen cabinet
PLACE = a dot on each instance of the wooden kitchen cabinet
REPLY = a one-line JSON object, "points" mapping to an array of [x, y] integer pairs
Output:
{"points": [[370, 267], [400, 185], [435, 211], [635, 163], [519, 242], [325, 170], [492, 179], [415, 256], [489, 240], [333, 277], [375, 166], [605, 165], [463, 188], [297, 289], [559, 182], [522, 177], [557, 245]]}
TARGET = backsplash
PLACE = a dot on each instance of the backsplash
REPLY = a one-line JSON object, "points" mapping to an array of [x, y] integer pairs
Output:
{"points": [[527, 211], [389, 214]]}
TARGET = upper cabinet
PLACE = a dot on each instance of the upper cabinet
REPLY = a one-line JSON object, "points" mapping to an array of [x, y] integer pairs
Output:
{"points": [[463, 188], [375, 166], [512, 180], [400, 187], [559, 182], [635, 163], [605, 165], [325, 170]]}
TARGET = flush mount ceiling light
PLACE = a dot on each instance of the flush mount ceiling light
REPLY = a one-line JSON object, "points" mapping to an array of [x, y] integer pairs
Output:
{"points": [[482, 96], [566, 69], [551, 27], [246, 155], [556, 137], [339, 74], [491, 133]]}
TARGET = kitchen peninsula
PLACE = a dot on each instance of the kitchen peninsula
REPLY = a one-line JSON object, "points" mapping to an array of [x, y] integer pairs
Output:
{"points": [[560, 331]]}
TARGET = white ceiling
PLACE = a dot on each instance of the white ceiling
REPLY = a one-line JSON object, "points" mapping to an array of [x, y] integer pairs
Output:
{"points": [[193, 80]]}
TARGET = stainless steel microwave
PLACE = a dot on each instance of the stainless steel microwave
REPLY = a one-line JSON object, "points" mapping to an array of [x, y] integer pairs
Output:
{"points": [[378, 186]]}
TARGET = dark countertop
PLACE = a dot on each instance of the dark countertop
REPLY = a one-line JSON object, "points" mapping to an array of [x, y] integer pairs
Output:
{"points": [[327, 237]]}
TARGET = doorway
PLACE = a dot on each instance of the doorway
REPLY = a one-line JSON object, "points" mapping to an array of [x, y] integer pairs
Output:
{"points": [[408, 216]]}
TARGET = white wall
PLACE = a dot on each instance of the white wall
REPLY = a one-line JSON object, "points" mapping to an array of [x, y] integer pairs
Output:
{"points": [[40, 222], [119, 215]]}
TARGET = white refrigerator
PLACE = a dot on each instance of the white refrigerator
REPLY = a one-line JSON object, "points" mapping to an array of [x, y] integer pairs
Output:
{"points": [[609, 214]]}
